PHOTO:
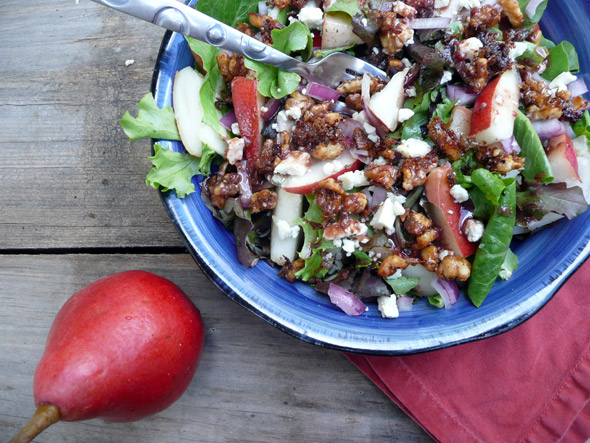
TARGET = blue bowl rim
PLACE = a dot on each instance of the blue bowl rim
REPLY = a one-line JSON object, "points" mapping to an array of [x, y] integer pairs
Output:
{"points": [[579, 257]]}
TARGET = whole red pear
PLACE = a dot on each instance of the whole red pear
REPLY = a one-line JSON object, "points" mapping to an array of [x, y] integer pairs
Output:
{"points": [[122, 348]]}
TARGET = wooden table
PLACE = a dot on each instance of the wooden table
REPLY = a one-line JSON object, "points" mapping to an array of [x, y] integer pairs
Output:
{"points": [[74, 207]]}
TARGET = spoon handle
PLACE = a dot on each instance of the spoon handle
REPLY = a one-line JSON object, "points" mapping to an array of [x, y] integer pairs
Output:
{"points": [[185, 20]]}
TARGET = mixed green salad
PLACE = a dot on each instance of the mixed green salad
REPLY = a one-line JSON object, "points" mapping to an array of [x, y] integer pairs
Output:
{"points": [[387, 191]]}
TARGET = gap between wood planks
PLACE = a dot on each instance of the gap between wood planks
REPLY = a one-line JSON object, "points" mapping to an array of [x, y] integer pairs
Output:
{"points": [[97, 251]]}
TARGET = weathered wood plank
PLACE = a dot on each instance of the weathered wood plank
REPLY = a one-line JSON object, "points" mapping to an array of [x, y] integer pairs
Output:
{"points": [[254, 383], [69, 176]]}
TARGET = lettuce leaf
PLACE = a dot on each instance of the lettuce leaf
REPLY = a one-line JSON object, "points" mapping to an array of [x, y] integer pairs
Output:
{"points": [[536, 165], [208, 93], [530, 22], [230, 12], [582, 127], [151, 121], [350, 7], [173, 171], [402, 285], [562, 58], [274, 82], [554, 197]]}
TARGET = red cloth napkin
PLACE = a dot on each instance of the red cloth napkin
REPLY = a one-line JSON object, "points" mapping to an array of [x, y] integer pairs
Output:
{"points": [[531, 383]]}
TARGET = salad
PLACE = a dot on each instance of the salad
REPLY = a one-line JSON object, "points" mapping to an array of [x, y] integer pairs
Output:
{"points": [[393, 191]]}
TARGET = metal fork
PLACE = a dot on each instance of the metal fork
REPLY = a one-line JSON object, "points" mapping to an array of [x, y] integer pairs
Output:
{"points": [[183, 19]]}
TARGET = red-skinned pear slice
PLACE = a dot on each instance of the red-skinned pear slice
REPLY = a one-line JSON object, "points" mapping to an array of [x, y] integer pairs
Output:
{"points": [[424, 287], [385, 104], [187, 108], [460, 121], [188, 113], [495, 109], [283, 242], [563, 160], [337, 31], [319, 171]]}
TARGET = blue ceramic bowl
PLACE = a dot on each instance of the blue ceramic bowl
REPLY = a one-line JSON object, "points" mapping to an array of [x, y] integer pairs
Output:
{"points": [[547, 259]]}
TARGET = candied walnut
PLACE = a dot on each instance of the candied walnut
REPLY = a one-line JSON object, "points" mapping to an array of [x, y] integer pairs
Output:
{"points": [[263, 201], [355, 85], [344, 228], [513, 12], [222, 186], [265, 24], [429, 256], [394, 34], [535, 37], [319, 126], [446, 139], [327, 151], [454, 268], [391, 264], [401, 8], [384, 175], [361, 141], [416, 169], [298, 100], [281, 4], [483, 18], [298, 4], [494, 158], [492, 59], [231, 66], [354, 101], [354, 203], [329, 197], [290, 268], [426, 238], [272, 152], [543, 104], [417, 223]]}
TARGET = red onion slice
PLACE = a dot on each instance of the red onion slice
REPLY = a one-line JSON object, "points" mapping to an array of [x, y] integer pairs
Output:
{"points": [[245, 188], [228, 119], [430, 23], [547, 129], [348, 125], [531, 8], [465, 97], [321, 92], [404, 303], [510, 145], [448, 290], [577, 87], [374, 121], [346, 300], [272, 107]]}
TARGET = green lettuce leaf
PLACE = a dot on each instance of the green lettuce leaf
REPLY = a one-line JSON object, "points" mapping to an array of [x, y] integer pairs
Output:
{"points": [[402, 285], [582, 127], [350, 7], [208, 92], [173, 170], [151, 121], [530, 22], [536, 165], [274, 82], [562, 58], [491, 184], [229, 12], [509, 266]]}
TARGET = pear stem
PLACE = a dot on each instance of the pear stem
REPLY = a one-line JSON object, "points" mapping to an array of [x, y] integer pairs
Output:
{"points": [[44, 416]]}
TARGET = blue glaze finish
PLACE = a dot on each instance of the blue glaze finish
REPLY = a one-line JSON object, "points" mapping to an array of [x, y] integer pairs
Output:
{"points": [[546, 260]]}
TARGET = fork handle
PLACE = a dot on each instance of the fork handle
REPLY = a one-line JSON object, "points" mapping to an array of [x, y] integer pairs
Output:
{"points": [[185, 20]]}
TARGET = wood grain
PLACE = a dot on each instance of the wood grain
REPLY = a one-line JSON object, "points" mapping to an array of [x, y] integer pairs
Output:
{"points": [[254, 382], [70, 177]]}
